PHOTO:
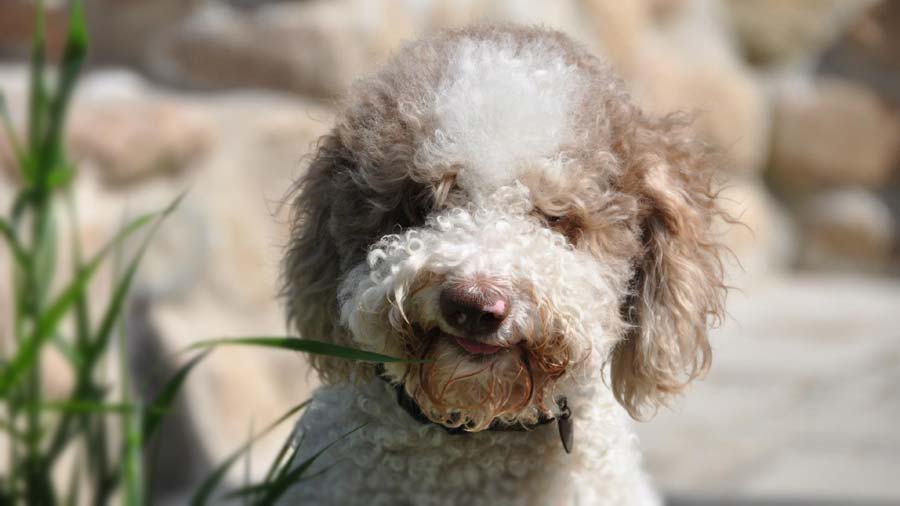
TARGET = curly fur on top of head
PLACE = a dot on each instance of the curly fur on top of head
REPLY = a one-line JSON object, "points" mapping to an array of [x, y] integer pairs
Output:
{"points": [[512, 155]]}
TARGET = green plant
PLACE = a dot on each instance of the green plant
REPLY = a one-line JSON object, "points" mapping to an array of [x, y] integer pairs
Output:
{"points": [[38, 430]]}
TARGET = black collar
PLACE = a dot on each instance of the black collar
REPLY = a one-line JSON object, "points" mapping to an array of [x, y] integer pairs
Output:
{"points": [[564, 420]]}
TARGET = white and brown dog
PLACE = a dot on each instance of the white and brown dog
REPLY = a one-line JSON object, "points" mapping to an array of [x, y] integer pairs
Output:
{"points": [[492, 206]]}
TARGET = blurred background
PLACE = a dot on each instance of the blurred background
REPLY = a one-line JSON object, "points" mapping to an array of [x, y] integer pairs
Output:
{"points": [[225, 98]]}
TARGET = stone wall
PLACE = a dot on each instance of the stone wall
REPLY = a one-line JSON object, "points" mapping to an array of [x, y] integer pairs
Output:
{"points": [[225, 98]]}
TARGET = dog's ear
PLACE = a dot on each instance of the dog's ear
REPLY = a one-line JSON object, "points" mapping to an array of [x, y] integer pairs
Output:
{"points": [[677, 292], [311, 267]]}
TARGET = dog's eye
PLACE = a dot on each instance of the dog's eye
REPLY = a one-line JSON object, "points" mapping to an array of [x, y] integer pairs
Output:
{"points": [[552, 219], [566, 225], [555, 220]]}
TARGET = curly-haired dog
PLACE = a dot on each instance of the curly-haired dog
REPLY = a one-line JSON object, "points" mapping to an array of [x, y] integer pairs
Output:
{"points": [[493, 207]]}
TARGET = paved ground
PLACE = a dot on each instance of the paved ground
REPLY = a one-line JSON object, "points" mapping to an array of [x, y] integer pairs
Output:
{"points": [[803, 400]]}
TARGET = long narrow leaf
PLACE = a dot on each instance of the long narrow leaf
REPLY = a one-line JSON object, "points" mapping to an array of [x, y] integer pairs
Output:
{"points": [[6, 230], [279, 460], [115, 308], [10, 130], [131, 463], [74, 486], [83, 381], [288, 464], [82, 309], [37, 101], [132, 460], [73, 59], [276, 489], [6, 427], [91, 407], [44, 258], [201, 496], [304, 345], [27, 353], [163, 400]]}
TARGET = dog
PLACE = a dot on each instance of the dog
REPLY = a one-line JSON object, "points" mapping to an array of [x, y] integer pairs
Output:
{"points": [[494, 209]]}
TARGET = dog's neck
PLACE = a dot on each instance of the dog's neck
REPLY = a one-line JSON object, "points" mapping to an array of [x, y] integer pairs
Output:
{"points": [[563, 417]]}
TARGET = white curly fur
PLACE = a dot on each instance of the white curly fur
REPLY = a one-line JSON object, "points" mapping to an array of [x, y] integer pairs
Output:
{"points": [[500, 110], [545, 275], [395, 460]]}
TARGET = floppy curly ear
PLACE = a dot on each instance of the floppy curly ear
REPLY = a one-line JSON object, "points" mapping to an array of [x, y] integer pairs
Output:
{"points": [[677, 290], [311, 267]]}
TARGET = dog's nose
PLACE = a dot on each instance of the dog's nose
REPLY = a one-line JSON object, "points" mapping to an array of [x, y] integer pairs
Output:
{"points": [[472, 311]]}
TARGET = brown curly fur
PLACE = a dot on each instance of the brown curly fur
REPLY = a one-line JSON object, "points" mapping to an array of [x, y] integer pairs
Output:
{"points": [[644, 203]]}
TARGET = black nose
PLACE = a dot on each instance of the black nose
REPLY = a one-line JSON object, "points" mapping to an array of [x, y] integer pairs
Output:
{"points": [[473, 311]]}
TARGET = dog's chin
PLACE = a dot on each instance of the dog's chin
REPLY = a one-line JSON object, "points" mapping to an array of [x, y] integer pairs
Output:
{"points": [[471, 384]]}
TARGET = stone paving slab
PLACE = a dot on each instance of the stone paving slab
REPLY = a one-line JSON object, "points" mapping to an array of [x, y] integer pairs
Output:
{"points": [[803, 400]]}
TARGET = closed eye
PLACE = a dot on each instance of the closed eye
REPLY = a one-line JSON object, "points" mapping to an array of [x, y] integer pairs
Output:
{"points": [[568, 225], [555, 220]]}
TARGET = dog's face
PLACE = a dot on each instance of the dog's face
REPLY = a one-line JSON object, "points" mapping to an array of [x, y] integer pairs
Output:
{"points": [[492, 205]]}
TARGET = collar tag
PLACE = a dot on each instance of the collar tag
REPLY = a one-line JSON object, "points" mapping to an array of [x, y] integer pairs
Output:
{"points": [[566, 425]]}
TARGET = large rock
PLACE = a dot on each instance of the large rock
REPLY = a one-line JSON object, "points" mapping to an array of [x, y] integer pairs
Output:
{"points": [[780, 32], [320, 46], [122, 30], [757, 231], [871, 53], [312, 48], [846, 230], [675, 54], [132, 140], [685, 62], [833, 133]]}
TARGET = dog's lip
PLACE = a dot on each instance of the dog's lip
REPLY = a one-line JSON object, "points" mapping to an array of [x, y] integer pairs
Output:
{"points": [[475, 347]]}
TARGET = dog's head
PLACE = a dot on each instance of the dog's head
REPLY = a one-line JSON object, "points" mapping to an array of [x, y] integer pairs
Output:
{"points": [[491, 202]]}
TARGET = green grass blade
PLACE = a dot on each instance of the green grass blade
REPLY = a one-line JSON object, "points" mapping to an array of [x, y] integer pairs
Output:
{"points": [[163, 400], [37, 100], [280, 460], [10, 131], [82, 306], [73, 58], [28, 352], [76, 47], [83, 382], [132, 460], [304, 345], [9, 429], [19, 254], [65, 349], [203, 493], [74, 487], [115, 308], [45, 256], [274, 490], [278, 471], [82, 309], [82, 406]]}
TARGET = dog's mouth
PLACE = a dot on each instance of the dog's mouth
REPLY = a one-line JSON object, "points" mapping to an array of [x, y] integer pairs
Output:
{"points": [[475, 347]]}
